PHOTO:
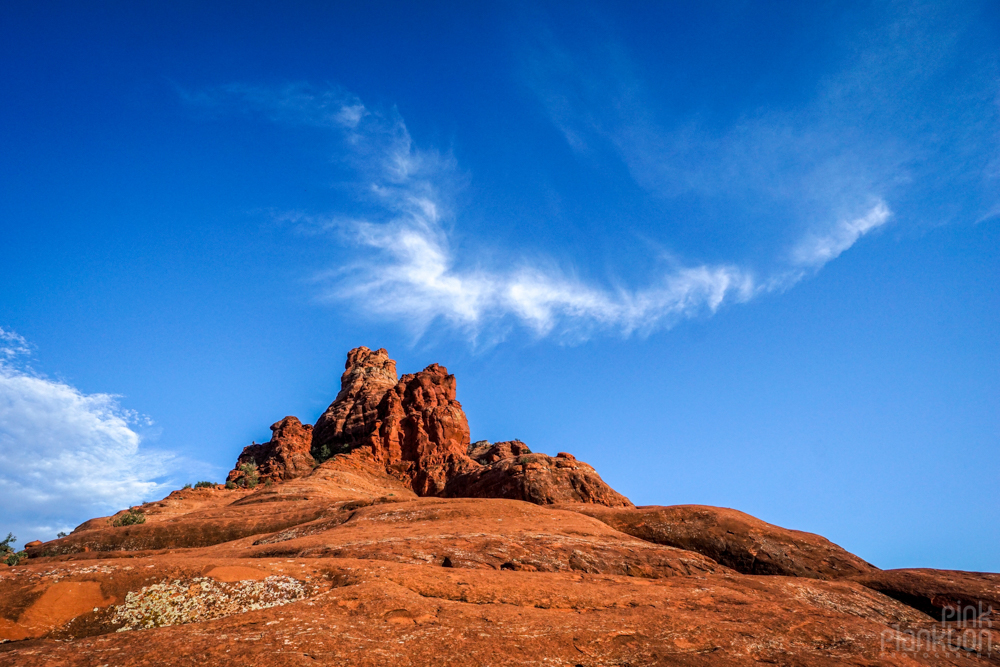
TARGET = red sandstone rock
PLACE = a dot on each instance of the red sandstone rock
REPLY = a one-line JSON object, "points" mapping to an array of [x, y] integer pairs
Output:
{"points": [[33, 543], [351, 418], [363, 572], [285, 456], [735, 539], [485, 453], [946, 595], [422, 430], [536, 478]]}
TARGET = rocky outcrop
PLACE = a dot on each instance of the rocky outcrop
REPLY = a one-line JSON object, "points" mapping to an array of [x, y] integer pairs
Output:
{"points": [[946, 595], [536, 478], [484, 453], [415, 427], [422, 430], [736, 540], [285, 456], [352, 417]]}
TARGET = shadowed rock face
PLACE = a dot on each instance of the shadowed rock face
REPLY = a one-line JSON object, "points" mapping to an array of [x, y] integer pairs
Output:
{"points": [[285, 456], [971, 598], [352, 416]]}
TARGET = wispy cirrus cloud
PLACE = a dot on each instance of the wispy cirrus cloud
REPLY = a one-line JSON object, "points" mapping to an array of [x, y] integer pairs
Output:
{"points": [[408, 269], [65, 456]]}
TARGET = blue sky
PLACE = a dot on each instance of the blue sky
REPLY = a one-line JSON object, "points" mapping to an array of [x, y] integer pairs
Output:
{"points": [[739, 254]]}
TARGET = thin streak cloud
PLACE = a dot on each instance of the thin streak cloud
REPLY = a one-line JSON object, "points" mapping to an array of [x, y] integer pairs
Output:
{"points": [[408, 269]]}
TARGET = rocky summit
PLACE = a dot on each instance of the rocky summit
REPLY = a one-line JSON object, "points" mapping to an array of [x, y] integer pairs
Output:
{"points": [[384, 535]]}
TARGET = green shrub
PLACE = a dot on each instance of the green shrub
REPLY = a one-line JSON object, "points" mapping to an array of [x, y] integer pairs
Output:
{"points": [[130, 518], [7, 553], [250, 475], [186, 486], [230, 484], [15, 557], [62, 534], [204, 485]]}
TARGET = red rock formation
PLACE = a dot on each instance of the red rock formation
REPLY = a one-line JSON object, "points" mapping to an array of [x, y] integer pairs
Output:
{"points": [[536, 478], [351, 418], [422, 430], [285, 456], [485, 453]]}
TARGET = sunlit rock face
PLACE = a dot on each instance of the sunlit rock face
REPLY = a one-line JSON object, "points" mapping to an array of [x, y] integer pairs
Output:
{"points": [[352, 416]]}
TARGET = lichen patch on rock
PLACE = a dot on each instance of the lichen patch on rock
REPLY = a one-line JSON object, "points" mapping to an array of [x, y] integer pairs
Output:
{"points": [[203, 599]]}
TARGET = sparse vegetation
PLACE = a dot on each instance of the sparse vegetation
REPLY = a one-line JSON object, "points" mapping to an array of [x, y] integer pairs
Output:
{"points": [[62, 534], [7, 553], [250, 475], [130, 518], [230, 484], [204, 485], [524, 460], [186, 486], [268, 483]]}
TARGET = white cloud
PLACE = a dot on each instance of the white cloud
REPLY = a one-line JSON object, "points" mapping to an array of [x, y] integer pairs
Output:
{"points": [[414, 274], [818, 249], [12, 345], [65, 456]]}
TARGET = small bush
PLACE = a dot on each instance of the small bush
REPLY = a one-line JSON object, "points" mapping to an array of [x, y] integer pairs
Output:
{"points": [[204, 485], [7, 553], [186, 486], [230, 484], [62, 534], [524, 460], [250, 475], [268, 483], [130, 518], [15, 557]]}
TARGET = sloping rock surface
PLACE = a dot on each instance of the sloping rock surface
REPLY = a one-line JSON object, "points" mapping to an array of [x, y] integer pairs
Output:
{"points": [[736, 540], [355, 569]]}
